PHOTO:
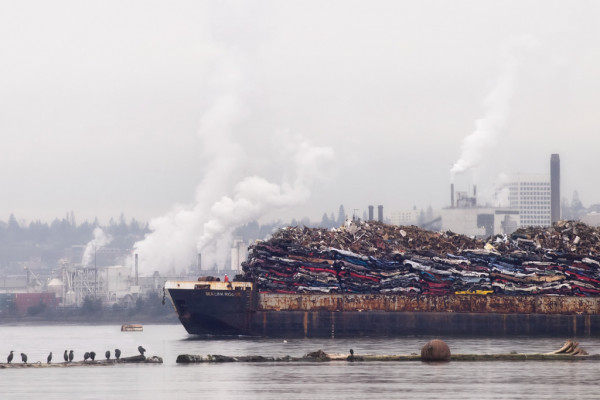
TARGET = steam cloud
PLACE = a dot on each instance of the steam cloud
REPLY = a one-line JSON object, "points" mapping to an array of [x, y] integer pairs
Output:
{"points": [[478, 144], [225, 199], [177, 237], [100, 239]]}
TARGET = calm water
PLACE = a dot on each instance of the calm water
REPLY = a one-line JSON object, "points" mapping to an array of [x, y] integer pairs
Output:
{"points": [[373, 380]]}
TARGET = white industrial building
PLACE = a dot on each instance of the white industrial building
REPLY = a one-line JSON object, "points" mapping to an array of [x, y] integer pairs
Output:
{"points": [[408, 217], [530, 194], [239, 254]]}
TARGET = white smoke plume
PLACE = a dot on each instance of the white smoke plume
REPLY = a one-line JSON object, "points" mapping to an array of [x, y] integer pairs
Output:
{"points": [[488, 129], [480, 144], [177, 237], [100, 239], [254, 196], [225, 199]]}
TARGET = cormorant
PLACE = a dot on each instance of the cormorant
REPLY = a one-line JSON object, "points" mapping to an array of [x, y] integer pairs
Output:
{"points": [[49, 359], [117, 353], [92, 355], [141, 350], [24, 358], [351, 356], [107, 354], [86, 356], [66, 356], [10, 356], [71, 355]]}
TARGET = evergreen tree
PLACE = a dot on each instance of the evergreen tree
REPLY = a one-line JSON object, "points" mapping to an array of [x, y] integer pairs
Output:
{"points": [[325, 221]]}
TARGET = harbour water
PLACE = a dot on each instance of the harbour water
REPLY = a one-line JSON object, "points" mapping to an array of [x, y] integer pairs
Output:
{"points": [[310, 380]]}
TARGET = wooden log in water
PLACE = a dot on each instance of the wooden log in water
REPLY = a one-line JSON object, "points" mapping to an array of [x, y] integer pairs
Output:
{"points": [[218, 358]]}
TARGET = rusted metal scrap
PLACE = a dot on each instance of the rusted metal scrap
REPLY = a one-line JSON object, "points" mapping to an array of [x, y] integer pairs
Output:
{"points": [[372, 257]]}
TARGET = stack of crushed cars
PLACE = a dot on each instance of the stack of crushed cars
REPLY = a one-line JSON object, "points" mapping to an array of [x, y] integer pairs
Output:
{"points": [[372, 257]]}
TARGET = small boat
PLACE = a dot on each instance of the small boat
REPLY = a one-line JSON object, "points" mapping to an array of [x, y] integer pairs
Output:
{"points": [[132, 328]]}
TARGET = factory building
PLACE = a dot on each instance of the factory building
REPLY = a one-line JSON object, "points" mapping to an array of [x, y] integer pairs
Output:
{"points": [[532, 200], [465, 216], [407, 217], [239, 254], [531, 195]]}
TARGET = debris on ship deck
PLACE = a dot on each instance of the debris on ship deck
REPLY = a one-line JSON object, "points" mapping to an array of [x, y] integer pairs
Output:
{"points": [[372, 257], [569, 351]]}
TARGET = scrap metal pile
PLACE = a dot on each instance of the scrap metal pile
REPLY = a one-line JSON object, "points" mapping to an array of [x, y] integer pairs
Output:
{"points": [[372, 257]]}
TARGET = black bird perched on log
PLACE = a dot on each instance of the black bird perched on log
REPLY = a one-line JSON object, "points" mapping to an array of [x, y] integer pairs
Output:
{"points": [[86, 355], [351, 356], [141, 350], [24, 358], [10, 356], [107, 354], [49, 359], [92, 355], [71, 355], [66, 356], [117, 353]]}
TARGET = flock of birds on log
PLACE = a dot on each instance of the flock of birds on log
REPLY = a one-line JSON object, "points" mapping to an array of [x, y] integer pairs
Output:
{"points": [[70, 354]]}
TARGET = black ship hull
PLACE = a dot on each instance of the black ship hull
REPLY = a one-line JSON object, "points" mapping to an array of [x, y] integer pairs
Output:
{"points": [[237, 312]]}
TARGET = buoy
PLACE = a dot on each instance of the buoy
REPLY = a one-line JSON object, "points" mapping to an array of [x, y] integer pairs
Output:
{"points": [[435, 350]]}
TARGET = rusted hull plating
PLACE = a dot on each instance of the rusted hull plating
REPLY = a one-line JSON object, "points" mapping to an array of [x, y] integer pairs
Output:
{"points": [[352, 315]]}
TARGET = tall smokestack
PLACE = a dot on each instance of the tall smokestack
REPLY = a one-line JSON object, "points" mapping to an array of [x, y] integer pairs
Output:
{"points": [[200, 263], [474, 195], [136, 269], [371, 213], [452, 195], [554, 188], [380, 213]]}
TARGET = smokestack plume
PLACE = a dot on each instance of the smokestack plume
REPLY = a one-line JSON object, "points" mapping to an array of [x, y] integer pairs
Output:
{"points": [[554, 188], [380, 213], [371, 213], [136, 269]]}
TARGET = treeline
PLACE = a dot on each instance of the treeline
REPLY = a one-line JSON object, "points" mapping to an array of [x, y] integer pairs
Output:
{"points": [[47, 242]]}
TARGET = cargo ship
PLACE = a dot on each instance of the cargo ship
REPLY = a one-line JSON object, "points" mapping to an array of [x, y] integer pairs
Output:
{"points": [[372, 279], [237, 308]]}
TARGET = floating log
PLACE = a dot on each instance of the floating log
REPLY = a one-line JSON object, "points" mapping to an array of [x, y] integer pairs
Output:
{"points": [[218, 358], [435, 350]]}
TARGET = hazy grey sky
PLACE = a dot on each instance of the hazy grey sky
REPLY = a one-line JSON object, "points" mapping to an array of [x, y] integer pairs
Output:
{"points": [[129, 106]]}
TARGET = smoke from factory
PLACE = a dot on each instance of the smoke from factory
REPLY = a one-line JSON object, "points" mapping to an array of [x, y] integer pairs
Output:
{"points": [[100, 239], [481, 143], [480, 150], [478, 145], [230, 193], [179, 236]]}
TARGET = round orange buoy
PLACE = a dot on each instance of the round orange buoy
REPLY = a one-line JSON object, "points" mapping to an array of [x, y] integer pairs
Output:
{"points": [[435, 350]]}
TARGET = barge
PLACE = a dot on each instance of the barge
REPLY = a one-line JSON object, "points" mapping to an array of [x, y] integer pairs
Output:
{"points": [[239, 308]]}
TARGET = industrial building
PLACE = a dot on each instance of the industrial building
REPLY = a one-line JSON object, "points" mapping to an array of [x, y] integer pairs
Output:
{"points": [[530, 194], [533, 200]]}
